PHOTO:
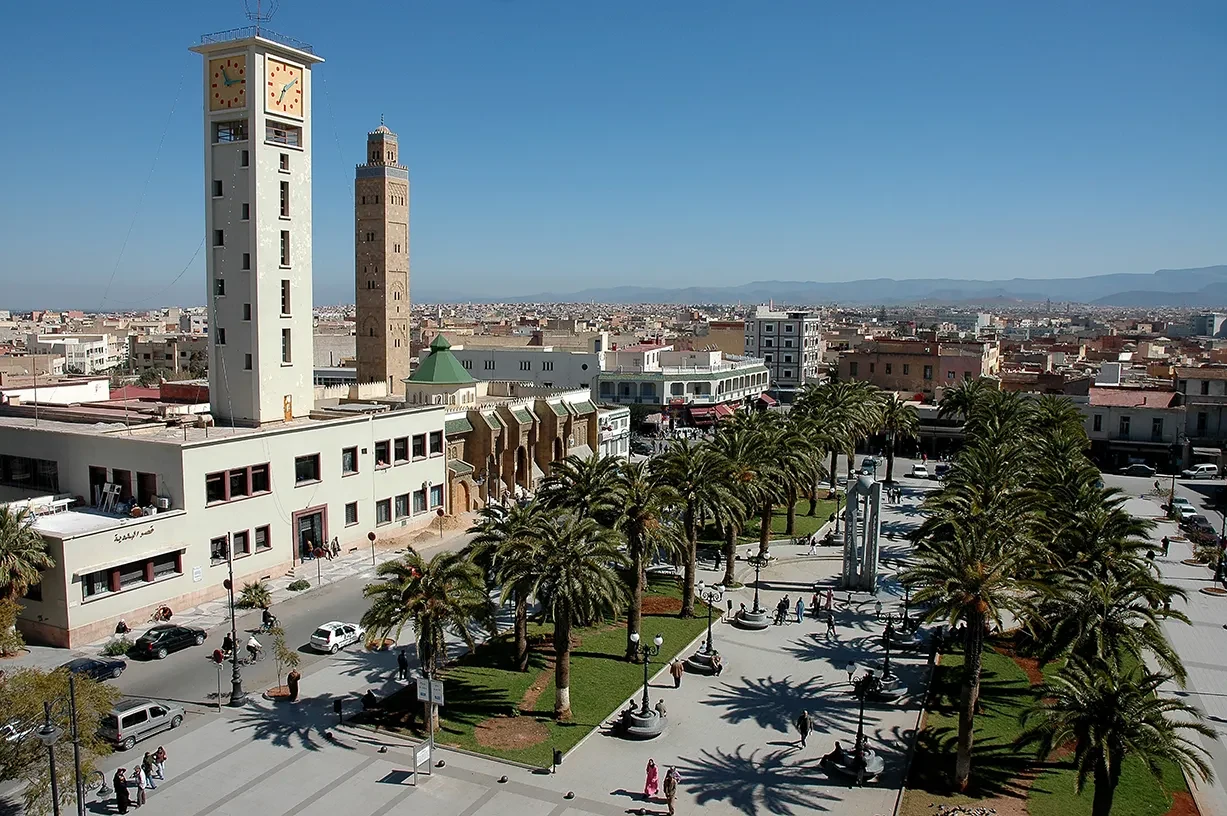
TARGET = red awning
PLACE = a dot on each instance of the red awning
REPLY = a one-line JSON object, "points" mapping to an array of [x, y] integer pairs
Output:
{"points": [[701, 411], [767, 399], [723, 410]]}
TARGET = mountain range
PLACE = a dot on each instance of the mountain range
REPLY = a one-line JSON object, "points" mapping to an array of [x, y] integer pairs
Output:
{"points": [[1201, 287]]}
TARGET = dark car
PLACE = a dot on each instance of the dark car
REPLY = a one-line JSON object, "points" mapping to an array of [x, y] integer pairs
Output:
{"points": [[1138, 469], [165, 638], [940, 470], [98, 668], [1197, 523]]}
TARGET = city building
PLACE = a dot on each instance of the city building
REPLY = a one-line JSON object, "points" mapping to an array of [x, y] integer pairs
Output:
{"points": [[381, 263], [790, 345], [176, 354], [919, 367], [614, 432], [1203, 392], [1128, 425], [82, 353], [547, 366]]}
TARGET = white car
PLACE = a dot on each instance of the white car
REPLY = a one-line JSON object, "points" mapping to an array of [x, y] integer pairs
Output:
{"points": [[920, 472], [335, 635], [1180, 502], [1202, 471]]}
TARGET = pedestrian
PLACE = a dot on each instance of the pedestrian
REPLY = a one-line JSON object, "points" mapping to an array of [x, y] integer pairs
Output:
{"points": [[803, 726], [800, 610], [123, 797], [147, 768], [717, 558], [228, 644], [1167, 542], [830, 599], [402, 664], [813, 545], [781, 609], [660, 708], [652, 784], [677, 670], [672, 777], [159, 762], [717, 664], [831, 633], [291, 682], [813, 605], [141, 784], [877, 610]]}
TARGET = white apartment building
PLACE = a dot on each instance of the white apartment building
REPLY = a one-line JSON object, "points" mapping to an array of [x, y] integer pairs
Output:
{"points": [[614, 432], [82, 353], [790, 345], [540, 365]]}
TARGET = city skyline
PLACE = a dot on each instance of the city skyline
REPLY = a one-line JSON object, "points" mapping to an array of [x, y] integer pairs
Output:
{"points": [[592, 147]]}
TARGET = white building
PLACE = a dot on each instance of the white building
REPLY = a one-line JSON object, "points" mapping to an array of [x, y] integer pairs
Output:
{"points": [[540, 365], [82, 353], [790, 344], [614, 432]]}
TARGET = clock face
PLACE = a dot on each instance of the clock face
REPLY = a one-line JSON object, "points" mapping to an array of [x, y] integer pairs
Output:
{"points": [[227, 82], [283, 91]]}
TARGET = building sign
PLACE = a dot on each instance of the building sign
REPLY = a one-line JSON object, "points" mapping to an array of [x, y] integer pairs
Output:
{"points": [[197, 575], [132, 535]]}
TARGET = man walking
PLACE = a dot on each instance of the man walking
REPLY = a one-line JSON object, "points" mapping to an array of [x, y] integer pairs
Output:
{"points": [[831, 633], [803, 726], [402, 664], [677, 670], [877, 610], [1167, 542], [830, 599], [800, 611], [142, 782], [671, 780]]}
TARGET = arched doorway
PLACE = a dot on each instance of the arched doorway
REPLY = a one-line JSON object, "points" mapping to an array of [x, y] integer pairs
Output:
{"points": [[557, 449], [466, 498], [521, 474]]}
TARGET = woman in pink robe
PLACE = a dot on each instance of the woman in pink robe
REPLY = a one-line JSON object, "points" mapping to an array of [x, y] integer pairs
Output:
{"points": [[652, 785]]}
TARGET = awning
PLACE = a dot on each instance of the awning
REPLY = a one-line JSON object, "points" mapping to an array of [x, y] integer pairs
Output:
{"points": [[1206, 451], [767, 399], [701, 411], [537, 474], [582, 451], [723, 411], [459, 467], [127, 559], [654, 419]]}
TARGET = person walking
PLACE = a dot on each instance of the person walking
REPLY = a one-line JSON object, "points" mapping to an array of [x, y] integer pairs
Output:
{"points": [[831, 633], [672, 777], [123, 796], [142, 783], [813, 545], [147, 768], [651, 785], [803, 726], [159, 762], [677, 670], [402, 665], [830, 599], [800, 610], [877, 610], [1167, 542]]}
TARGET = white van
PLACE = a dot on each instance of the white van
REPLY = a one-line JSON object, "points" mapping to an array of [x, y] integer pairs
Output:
{"points": [[1202, 471]]}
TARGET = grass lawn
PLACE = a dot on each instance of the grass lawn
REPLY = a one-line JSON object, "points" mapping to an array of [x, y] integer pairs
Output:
{"points": [[805, 525], [998, 770], [515, 709]]}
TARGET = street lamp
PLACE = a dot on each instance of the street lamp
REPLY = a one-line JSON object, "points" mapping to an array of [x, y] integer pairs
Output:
{"points": [[886, 636], [647, 651], [49, 734], [709, 596], [757, 561], [861, 686], [237, 695]]}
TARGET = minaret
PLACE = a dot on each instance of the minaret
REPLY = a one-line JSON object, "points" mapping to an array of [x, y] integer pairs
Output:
{"points": [[257, 142], [381, 263]]}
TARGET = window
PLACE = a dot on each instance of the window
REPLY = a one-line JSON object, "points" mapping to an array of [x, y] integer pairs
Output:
{"points": [[383, 511], [436, 443], [787, 374], [263, 540], [788, 343], [1124, 426], [419, 446], [888, 368], [220, 334], [238, 484], [852, 368], [286, 357], [769, 343], [489, 366], [871, 365], [284, 163], [217, 188], [278, 133], [215, 488], [1205, 387], [244, 211], [285, 297], [247, 362], [164, 566], [928, 372], [1156, 428], [285, 247], [526, 365], [219, 550], [95, 583], [247, 311], [235, 131], [1201, 422], [419, 501], [767, 359], [950, 375], [259, 479], [349, 461], [244, 158], [468, 364], [219, 238], [307, 468], [285, 199], [547, 366], [1097, 422], [383, 450], [219, 287], [246, 261], [768, 327], [241, 542], [907, 369], [351, 514], [400, 450], [402, 505], [436, 496]]}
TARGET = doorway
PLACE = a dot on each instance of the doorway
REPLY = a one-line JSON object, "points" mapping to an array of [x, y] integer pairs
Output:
{"points": [[310, 531]]}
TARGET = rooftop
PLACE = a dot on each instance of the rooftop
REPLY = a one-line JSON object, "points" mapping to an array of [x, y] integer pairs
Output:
{"points": [[1201, 373], [1132, 398]]}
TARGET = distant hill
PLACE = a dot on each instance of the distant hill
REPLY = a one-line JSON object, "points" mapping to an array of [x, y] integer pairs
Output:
{"points": [[1202, 287]]}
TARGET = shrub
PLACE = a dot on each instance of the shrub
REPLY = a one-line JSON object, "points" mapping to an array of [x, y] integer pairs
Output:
{"points": [[286, 657], [299, 585], [11, 642], [255, 595], [117, 646]]}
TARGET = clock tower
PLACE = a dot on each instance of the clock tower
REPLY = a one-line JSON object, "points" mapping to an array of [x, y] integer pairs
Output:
{"points": [[257, 142], [381, 263]]}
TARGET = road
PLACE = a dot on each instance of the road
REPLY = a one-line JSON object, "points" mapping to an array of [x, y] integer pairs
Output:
{"points": [[1203, 493]]}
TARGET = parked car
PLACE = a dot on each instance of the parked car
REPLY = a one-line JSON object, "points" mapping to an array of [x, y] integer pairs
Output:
{"points": [[940, 470], [641, 447], [98, 668], [161, 640], [1202, 471], [1137, 469], [132, 720], [1196, 522], [1181, 501], [335, 635], [920, 472]]}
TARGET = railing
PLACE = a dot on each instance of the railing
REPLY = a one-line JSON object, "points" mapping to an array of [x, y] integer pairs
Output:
{"points": [[254, 31]]}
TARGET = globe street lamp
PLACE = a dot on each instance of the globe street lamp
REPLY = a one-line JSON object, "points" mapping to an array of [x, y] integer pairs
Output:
{"points": [[886, 636], [647, 651], [49, 734], [710, 596], [861, 688], [237, 696], [757, 560]]}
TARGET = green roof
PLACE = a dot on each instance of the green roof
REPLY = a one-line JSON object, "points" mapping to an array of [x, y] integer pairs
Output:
{"points": [[459, 467], [559, 408], [584, 407], [441, 367], [522, 416], [454, 426], [493, 421]]}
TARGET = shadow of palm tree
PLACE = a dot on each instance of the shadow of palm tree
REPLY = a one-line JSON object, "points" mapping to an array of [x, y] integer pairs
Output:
{"points": [[291, 726], [775, 704], [755, 783]]}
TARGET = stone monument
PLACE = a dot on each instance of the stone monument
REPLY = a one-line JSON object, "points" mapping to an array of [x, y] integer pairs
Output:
{"points": [[862, 524]]}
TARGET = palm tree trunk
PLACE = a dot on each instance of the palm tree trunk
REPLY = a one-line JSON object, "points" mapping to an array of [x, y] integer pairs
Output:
{"points": [[634, 612], [730, 554], [834, 465], [1105, 787], [973, 658], [790, 525], [562, 666], [764, 528], [813, 499], [689, 568], [521, 631], [890, 461]]}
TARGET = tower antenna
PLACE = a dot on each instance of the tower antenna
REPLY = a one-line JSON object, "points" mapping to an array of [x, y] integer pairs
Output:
{"points": [[262, 13]]}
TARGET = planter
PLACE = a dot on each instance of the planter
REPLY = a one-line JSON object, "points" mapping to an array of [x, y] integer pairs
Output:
{"points": [[277, 694], [380, 645], [1217, 592], [1193, 562]]}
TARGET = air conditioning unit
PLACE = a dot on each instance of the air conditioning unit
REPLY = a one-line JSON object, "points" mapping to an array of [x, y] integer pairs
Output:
{"points": [[161, 502]]}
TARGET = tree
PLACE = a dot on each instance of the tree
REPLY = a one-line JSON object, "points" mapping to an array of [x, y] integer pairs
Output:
{"points": [[152, 376], [504, 538], [23, 553], [445, 594], [645, 502], [576, 580], [255, 595], [21, 699], [1111, 715], [697, 475], [286, 657], [961, 400], [585, 486], [735, 443], [846, 410], [898, 420]]}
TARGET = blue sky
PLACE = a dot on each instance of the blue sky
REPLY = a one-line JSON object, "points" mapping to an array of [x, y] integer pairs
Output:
{"points": [[565, 145]]}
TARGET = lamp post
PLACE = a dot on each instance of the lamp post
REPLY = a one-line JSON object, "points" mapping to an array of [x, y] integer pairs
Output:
{"points": [[647, 652], [758, 565], [49, 734], [861, 687], [838, 501], [709, 596], [237, 695], [890, 630]]}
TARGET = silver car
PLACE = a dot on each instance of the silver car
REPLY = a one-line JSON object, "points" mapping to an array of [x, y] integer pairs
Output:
{"points": [[133, 720]]}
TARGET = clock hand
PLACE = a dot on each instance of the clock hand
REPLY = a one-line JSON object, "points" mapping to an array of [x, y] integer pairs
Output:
{"points": [[226, 78], [284, 89]]}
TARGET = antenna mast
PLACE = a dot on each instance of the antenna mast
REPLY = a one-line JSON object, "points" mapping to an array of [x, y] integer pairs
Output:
{"points": [[263, 12]]}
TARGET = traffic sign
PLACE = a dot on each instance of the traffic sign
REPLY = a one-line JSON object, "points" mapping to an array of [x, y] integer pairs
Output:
{"points": [[424, 689]]}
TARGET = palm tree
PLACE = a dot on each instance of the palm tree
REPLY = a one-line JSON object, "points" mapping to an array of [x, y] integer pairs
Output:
{"points": [[23, 553], [585, 486], [735, 444], [502, 538], [445, 594], [898, 420], [645, 502], [576, 580], [961, 400], [845, 409], [698, 475], [1110, 716]]}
